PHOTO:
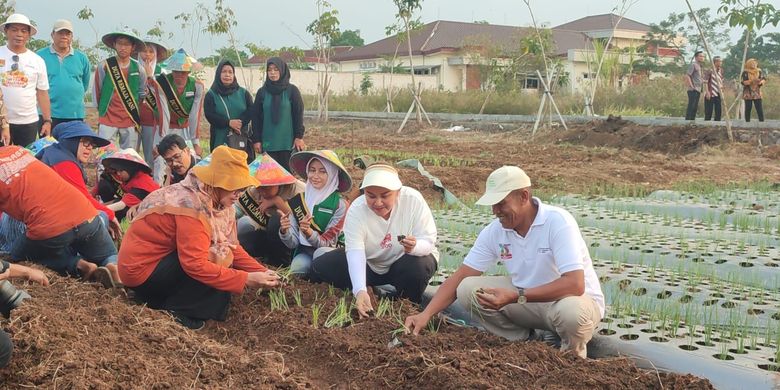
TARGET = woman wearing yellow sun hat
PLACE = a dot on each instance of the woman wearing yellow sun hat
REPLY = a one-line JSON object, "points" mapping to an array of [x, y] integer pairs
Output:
{"points": [[181, 252]]}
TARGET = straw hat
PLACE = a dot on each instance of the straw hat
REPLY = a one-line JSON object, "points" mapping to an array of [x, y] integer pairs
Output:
{"points": [[180, 61], [128, 154], [300, 160], [227, 170], [269, 172], [110, 38], [19, 19], [162, 51]]}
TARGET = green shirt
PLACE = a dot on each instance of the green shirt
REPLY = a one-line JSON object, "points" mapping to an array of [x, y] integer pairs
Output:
{"points": [[277, 137]]}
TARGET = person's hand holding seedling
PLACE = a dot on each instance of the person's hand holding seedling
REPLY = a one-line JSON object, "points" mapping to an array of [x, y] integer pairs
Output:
{"points": [[114, 229], [265, 279], [363, 304], [408, 242], [495, 298]]}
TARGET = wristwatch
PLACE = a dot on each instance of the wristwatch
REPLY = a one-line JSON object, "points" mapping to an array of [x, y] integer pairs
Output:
{"points": [[521, 299], [47, 121]]}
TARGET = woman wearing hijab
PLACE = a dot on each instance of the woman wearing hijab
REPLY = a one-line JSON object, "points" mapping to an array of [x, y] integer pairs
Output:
{"points": [[325, 178], [181, 253], [150, 56], [76, 142], [277, 115], [752, 80], [227, 106]]}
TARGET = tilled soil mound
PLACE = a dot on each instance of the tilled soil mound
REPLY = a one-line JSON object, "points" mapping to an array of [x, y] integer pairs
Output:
{"points": [[75, 335], [618, 133]]}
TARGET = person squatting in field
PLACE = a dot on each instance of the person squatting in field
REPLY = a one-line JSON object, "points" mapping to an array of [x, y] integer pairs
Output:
{"points": [[551, 285], [181, 253]]}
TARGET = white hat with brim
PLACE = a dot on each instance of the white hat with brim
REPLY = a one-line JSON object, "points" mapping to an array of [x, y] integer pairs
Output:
{"points": [[19, 19], [62, 24], [381, 175], [501, 182], [110, 38]]}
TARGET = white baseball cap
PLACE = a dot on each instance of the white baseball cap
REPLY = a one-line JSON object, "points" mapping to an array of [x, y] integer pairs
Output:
{"points": [[62, 24], [501, 182], [381, 175], [19, 19]]}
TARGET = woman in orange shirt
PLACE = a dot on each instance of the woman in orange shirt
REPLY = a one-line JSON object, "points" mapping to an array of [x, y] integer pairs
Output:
{"points": [[181, 253]]}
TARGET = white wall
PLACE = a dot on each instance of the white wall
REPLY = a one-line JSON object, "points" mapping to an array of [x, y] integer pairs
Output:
{"points": [[341, 82]]}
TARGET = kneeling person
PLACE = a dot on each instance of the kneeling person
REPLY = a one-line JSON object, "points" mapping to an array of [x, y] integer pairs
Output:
{"points": [[551, 284], [131, 172], [390, 238], [181, 253]]}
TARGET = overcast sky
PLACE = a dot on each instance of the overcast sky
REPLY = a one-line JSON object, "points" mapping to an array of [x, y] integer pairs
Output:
{"points": [[283, 23]]}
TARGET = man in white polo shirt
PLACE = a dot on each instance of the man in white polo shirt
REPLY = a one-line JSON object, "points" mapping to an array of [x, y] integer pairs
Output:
{"points": [[551, 283]]}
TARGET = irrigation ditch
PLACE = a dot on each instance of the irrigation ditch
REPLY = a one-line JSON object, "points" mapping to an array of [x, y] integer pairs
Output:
{"points": [[692, 280]]}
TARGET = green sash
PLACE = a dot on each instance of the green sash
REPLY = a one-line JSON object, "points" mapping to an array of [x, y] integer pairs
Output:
{"points": [[323, 211], [126, 88], [179, 105]]}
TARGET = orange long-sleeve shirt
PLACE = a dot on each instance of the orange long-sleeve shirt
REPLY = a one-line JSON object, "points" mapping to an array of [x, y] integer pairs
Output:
{"points": [[153, 237]]}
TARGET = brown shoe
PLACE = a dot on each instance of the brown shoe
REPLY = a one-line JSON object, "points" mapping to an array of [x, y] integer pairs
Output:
{"points": [[86, 270]]}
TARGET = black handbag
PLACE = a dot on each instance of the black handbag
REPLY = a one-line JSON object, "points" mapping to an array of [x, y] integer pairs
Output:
{"points": [[242, 140]]}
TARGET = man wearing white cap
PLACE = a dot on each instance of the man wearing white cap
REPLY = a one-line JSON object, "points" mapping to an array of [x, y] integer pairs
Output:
{"points": [[68, 70], [551, 284], [24, 83]]}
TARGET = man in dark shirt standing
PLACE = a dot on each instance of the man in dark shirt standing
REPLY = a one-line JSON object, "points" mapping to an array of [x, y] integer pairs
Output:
{"points": [[714, 84]]}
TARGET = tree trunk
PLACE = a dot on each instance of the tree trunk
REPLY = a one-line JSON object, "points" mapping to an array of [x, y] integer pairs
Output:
{"points": [[415, 101]]}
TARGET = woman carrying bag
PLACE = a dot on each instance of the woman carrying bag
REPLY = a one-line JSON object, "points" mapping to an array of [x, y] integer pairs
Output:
{"points": [[227, 109]]}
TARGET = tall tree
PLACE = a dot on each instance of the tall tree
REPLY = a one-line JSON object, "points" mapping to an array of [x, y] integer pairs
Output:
{"points": [[349, 38], [324, 29]]}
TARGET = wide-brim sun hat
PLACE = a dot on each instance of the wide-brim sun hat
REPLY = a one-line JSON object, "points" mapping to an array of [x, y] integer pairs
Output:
{"points": [[226, 170], [20, 19], [300, 160], [269, 172], [110, 38], [180, 61], [128, 154], [78, 129], [501, 182], [381, 175], [162, 52]]}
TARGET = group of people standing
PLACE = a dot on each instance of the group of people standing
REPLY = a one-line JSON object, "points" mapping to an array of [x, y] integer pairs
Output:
{"points": [[711, 82], [201, 230]]}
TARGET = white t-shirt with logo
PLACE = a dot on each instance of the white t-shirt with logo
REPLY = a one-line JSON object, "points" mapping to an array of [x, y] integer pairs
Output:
{"points": [[552, 246], [20, 86], [369, 234]]}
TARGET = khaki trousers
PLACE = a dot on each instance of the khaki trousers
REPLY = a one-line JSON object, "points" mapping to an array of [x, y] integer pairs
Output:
{"points": [[574, 319]]}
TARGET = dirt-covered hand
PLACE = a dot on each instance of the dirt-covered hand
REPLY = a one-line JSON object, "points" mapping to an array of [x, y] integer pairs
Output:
{"points": [[363, 304], [262, 279], [414, 324], [408, 243], [496, 298], [37, 276]]}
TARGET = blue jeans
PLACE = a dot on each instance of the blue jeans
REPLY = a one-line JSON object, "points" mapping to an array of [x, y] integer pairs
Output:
{"points": [[89, 240], [301, 262]]}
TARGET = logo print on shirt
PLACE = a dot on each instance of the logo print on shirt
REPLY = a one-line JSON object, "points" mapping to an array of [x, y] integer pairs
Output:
{"points": [[505, 252], [386, 242]]}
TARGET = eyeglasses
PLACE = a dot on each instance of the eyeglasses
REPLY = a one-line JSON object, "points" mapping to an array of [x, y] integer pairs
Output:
{"points": [[15, 65], [88, 143], [175, 158]]}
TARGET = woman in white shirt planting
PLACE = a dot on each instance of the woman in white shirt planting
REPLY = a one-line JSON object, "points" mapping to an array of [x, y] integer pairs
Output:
{"points": [[390, 238]]}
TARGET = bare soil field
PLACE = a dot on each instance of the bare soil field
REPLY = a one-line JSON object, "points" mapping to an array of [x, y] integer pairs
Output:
{"points": [[76, 335]]}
